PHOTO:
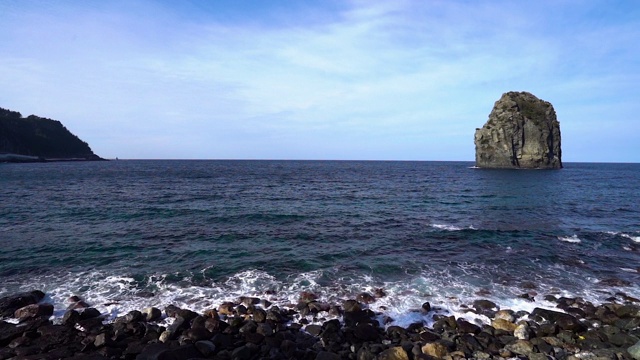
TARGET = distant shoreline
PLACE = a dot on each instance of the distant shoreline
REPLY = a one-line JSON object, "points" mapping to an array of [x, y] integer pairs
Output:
{"points": [[17, 158]]}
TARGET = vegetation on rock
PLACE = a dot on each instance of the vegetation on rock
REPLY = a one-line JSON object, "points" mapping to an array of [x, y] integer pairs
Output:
{"points": [[40, 137]]}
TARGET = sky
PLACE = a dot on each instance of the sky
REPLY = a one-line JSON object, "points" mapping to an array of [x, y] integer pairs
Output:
{"points": [[344, 80]]}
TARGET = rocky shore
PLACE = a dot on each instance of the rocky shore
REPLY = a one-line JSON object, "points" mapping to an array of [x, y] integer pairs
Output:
{"points": [[253, 328]]}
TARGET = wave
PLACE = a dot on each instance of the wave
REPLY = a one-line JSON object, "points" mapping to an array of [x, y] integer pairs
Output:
{"points": [[631, 237], [451, 227], [570, 239]]}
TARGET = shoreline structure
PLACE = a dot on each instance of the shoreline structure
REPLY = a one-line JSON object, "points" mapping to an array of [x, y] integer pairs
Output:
{"points": [[254, 328]]}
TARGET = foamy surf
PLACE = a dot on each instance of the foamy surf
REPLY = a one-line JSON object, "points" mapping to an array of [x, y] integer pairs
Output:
{"points": [[447, 294]]}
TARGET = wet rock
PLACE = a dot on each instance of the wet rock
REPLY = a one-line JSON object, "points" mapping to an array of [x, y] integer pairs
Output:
{"points": [[634, 351], [186, 314], [171, 311], [546, 330], [379, 293], [563, 320], [259, 315], [468, 344], [70, 318], [241, 310], [131, 316], [193, 335], [520, 347], [314, 330], [628, 323], [366, 332], [365, 353], [326, 355], [481, 355], [215, 325], [91, 325], [541, 345], [576, 312], [102, 340], [351, 306], [614, 282], [426, 307], [20, 342], [394, 353], [264, 329], [151, 314], [538, 356], [9, 304], [10, 331], [205, 347], [89, 313], [485, 307], [505, 314], [467, 327], [365, 298], [628, 311], [226, 308], [317, 307], [33, 310], [527, 296], [307, 296], [211, 313], [522, 331], [435, 349], [505, 325]]}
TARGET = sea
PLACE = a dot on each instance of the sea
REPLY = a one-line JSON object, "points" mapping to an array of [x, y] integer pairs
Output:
{"points": [[128, 234]]}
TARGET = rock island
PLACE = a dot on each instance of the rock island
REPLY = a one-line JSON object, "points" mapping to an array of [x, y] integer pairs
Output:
{"points": [[522, 133]]}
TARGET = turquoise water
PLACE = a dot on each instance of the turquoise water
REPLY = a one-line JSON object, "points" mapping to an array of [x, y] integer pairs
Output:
{"points": [[199, 232]]}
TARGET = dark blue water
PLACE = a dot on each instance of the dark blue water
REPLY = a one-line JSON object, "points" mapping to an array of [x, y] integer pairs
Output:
{"points": [[199, 232]]}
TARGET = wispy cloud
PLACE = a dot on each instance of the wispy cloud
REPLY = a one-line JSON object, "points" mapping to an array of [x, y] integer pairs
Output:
{"points": [[374, 80]]}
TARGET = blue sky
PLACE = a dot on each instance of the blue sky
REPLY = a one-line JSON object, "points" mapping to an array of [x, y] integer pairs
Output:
{"points": [[373, 80]]}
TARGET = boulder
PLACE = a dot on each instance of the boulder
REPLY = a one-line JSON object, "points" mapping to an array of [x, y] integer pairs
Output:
{"points": [[33, 310], [522, 132], [151, 314], [563, 320], [9, 304], [634, 351], [435, 349], [394, 353], [502, 324]]}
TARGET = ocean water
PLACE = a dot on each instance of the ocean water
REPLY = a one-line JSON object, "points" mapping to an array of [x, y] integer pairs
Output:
{"points": [[129, 234]]}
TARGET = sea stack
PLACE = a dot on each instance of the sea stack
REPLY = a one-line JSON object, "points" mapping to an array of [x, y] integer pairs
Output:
{"points": [[522, 133]]}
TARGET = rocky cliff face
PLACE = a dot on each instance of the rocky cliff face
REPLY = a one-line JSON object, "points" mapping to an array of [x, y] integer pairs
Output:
{"points": [[522, 132]]}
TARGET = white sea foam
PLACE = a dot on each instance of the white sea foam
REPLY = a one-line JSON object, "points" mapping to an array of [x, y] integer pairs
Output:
{"points": [[446, 227], [570, 239], [446, 292], [631, 237]]}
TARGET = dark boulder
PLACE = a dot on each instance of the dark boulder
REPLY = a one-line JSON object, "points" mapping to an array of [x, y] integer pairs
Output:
{"points": [[33, 310], [9, 304], [563, 320]]}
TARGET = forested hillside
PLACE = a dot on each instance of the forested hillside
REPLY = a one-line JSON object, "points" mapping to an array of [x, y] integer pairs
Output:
{"points": [[40, 137]]}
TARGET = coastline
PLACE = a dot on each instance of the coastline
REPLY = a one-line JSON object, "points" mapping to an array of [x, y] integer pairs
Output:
{"points": [[254, 328], [17, 158]]}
